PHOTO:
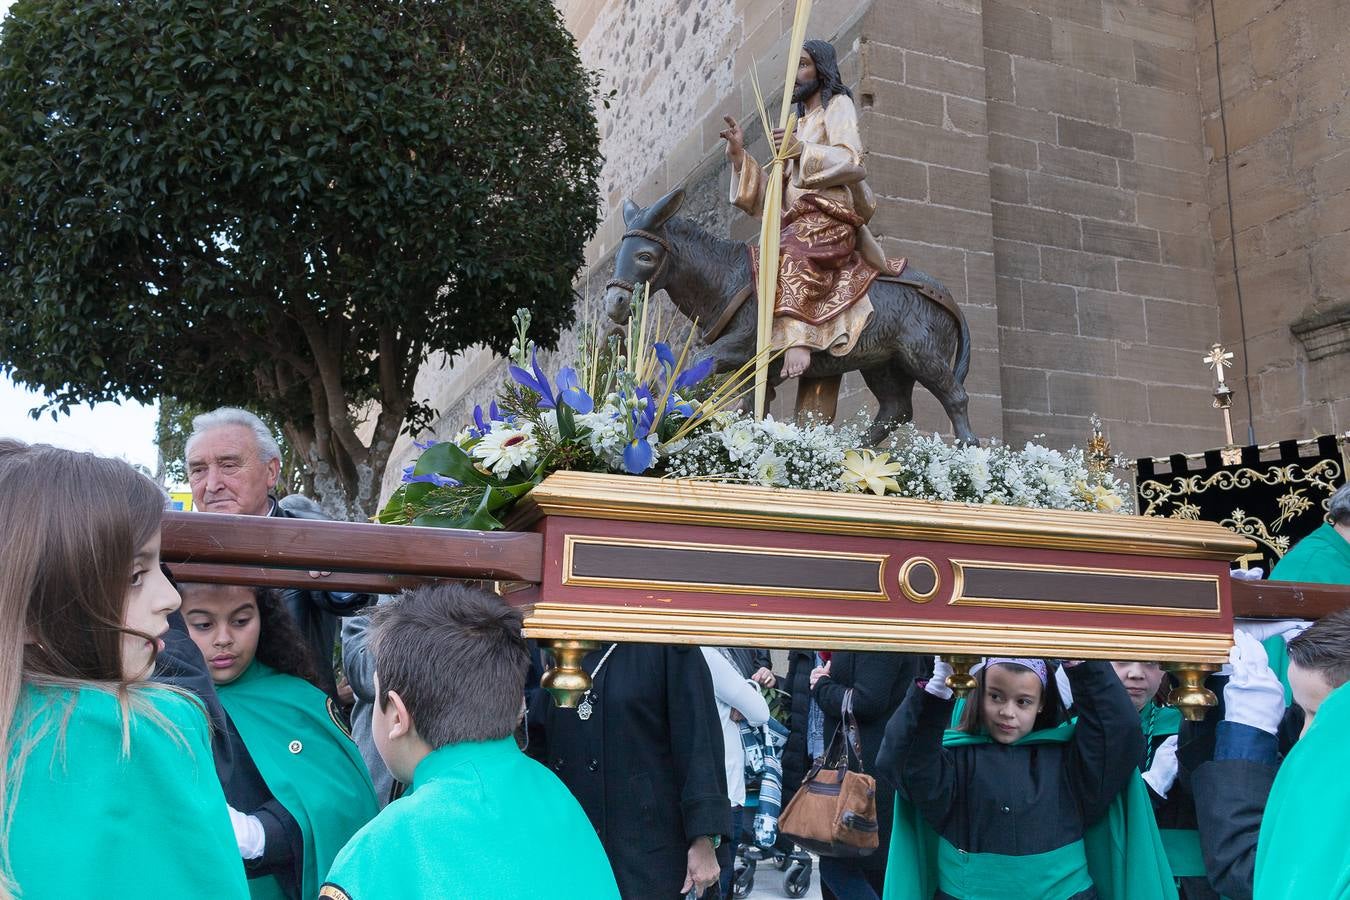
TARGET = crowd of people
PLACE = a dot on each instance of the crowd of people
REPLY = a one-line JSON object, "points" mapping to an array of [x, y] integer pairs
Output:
{"points": [[186, 740]]}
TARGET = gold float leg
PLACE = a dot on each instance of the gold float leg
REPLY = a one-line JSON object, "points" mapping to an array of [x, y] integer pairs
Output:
{"points": [[961, 681], [1191, 696], [566, 680]]}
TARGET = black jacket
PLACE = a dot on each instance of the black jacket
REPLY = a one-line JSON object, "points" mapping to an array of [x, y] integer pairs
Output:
{"points": [[796, 760], [317, 613], [1016, 800], [879, 682], [647, 766], [181, 665]]}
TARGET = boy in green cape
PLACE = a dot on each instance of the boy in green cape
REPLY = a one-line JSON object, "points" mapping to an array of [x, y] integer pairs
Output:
{"points": [[1273, 831], [1324, 555], [480, 819]]}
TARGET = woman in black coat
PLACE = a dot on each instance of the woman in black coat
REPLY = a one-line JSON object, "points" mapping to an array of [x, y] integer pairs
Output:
{"points": [[879, 682], [646, 764]]}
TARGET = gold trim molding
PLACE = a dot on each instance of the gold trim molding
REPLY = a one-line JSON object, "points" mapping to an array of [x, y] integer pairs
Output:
{"points": [[569, 579], [911, 593], [688, 502], [738, 629]]}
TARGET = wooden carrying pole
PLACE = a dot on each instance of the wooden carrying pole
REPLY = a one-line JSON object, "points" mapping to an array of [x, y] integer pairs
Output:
{"points": [[770, 222]]}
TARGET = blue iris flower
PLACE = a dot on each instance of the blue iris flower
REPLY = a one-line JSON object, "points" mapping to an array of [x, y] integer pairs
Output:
{"points": [[429, 478], [685, 379], [638, 453], [570, 392], [638, 456], [425, 445], [538, 382]]}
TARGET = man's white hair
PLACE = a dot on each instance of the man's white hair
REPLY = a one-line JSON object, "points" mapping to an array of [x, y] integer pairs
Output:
{"points": [[1339, 506], [232, 415]]}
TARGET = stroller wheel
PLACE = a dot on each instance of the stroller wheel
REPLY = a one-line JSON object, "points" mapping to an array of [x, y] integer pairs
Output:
{"points": [[798, 880], [782, 861], [744, 882]]}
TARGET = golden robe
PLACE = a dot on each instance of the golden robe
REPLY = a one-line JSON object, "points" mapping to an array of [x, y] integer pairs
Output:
{"points": [[829, 258]]}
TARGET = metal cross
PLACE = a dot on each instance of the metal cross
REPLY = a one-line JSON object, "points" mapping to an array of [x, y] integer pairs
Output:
{"points": [[1218, 359]]}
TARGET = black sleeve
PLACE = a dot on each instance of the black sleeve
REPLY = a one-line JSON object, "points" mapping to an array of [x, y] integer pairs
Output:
{"points": [[1230, 799], [1107, 745], [912, 756], [761, 659], [284, 848], [181, 665], [696, 744], [874, 678]]}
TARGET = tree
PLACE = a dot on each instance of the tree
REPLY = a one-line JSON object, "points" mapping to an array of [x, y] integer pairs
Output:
{"points": [[286, 206]]}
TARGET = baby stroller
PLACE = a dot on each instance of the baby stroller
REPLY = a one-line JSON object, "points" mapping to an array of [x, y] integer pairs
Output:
{"points": [[764, 794]]}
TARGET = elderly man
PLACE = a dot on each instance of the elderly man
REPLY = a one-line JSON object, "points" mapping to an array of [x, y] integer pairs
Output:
{"points": [[233, 463], [1324, 555]]}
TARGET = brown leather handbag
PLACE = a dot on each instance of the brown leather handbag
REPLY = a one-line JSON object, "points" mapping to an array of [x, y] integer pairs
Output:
{"points": [[834, 812]]}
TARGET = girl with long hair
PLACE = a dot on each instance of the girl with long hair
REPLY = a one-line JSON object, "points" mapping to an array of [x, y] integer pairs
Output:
{"points": [[108, 786], [315, 789]]}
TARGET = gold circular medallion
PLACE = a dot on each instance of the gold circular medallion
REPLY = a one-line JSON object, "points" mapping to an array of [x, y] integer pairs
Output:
{"points": [[296, 746], [920, 579]]}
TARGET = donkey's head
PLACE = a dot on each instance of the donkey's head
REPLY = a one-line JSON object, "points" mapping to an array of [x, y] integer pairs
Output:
{"points": [[643, 255]]}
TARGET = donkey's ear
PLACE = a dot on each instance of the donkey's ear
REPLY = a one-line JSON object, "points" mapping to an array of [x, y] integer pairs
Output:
{"points": [[630, 212], [661, 211]]}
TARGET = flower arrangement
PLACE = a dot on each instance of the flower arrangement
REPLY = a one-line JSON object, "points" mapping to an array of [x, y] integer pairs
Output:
{"points": [[659, 413]]}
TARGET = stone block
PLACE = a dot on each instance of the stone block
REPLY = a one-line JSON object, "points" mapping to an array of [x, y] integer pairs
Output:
{"points": [[923, 143], [927, 24], [1172, 324], [1119, 317], [1192, 251], [1254, 114], [1235, 51], [1320, 137], [1171, 215], [1036, 226], [1057, 352], [946, 264], [1009, 301], [1151, 364], [1169, 282], [1084, 12], [952, 187], [966, 115], [1080, 198], [1077, 268], [1018, 121], [1025, 389], [1008, 185], [1150, 110], [900, 102], [934, 73], [1017, 31], [1179, 405], [1084, 395], [1049, 307], [1066, 91], [933, 224], [1095, 138], [998, 76], [1016, 259], [1149, 24], [1162, 67], [1231, 15], [1332, 175], [892, 177], [1117, 239], [1188, 156], [1090, 49], [1011, 151], [1280, 41], [1330, 259], [1069, 163], [880, 60], [1174, 183]]}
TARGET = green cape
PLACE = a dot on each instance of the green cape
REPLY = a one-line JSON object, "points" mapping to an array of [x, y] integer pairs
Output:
{"points": [[91, 821], [481, 820], [1182, 845], [1323, 556], [309, 762], [1304, 848], [1125, 855]]}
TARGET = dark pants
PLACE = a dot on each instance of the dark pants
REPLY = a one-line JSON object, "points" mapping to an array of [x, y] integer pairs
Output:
{"points": [[726, 854], [846, 881]]}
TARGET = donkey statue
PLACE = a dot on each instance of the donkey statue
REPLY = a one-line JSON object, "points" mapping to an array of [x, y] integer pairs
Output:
{"points": [[916, 333]]}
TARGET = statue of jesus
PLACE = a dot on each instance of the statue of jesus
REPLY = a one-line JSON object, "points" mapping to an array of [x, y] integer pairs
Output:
{"points": [[828, 258]]}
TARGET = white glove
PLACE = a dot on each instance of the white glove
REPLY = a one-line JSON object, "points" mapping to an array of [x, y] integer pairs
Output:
{"points": [[1254, 696], [1262, 629], [1255, 573], [248, 834], [937, 685], [1065, 689], [1163, 773]]}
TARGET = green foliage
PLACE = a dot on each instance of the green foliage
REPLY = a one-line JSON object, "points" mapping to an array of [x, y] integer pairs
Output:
{"points": [[285, 206]]}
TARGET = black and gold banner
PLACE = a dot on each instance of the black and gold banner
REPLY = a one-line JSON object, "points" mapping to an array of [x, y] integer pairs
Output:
{"points": [[1275, 494]]}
